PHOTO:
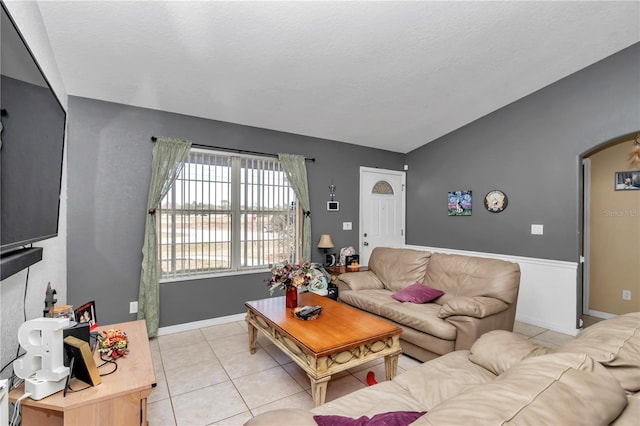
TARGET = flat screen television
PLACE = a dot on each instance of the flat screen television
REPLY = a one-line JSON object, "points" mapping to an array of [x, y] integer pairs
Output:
{"points": [[32, 144]]}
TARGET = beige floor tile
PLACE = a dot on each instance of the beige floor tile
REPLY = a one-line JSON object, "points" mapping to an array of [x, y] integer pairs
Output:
{"points": [[245, 363], [237, 420], [180, 339], [277, 354], [243, 324], [554, 337], [223, 330], [259, 388], [160, 413], [406, 362], [378, 370], [301, 400], [195, 376], [161, 391], [208, 405], [298, 374], [527, 329], [230, 345], [342, 386], [179, 356]]}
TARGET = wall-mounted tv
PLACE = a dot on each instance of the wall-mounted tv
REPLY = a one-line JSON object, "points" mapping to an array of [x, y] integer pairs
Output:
{"points": [[32, 144]]}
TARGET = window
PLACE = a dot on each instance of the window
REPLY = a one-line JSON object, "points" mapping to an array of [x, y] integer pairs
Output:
{"points": [[227, 213]]}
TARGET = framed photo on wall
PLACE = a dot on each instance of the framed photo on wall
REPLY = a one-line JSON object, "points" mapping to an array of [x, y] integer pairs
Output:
{"points": [[459, 203], [629, 180]]}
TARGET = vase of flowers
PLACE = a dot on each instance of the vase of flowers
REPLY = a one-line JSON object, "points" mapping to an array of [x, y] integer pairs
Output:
{"points": [[291, 277]]}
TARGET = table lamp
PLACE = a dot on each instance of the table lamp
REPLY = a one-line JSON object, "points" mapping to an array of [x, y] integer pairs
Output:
{"points": [[326, 243]]}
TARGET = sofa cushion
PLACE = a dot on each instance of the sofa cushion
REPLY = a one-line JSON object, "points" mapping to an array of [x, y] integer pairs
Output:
{"points": [[384, 397], [498, 350], [367, 300], [397, 267], [417, 293], [615, 343], [364, 280], [442, 378], [470, 276], [554, 389], [476, 307], [422, 317]]}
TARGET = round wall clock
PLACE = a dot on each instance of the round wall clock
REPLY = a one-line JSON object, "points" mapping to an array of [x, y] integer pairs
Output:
{"points": [[496, 201]]}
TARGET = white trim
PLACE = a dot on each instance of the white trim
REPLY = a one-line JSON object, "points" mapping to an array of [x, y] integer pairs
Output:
{"points": [[598, 314], [547, 296], [586, 230], [163, 331]]}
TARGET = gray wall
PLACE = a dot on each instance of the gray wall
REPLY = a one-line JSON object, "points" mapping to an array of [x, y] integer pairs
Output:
{"points": [[109, 157], [530, 150]]}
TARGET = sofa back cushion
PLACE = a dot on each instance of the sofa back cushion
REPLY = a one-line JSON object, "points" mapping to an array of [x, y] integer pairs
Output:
{"points": [[554, 389], [398, 268], [615, 343], [498, 350], [471, 276]]}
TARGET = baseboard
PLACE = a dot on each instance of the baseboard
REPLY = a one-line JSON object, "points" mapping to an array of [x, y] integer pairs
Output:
{"points": [[598, 314], [162, 331], [548, 289]]}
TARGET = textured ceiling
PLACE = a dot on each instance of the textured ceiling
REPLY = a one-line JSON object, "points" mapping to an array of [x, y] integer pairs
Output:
{"points": [[391, 75]]}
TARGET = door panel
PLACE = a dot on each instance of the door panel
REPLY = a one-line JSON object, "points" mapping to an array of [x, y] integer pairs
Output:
{"points": [[382, 210]]}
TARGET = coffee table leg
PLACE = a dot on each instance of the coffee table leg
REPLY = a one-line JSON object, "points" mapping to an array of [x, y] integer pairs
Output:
{"points": [[253, 337], [391, 365], [319, 389]]}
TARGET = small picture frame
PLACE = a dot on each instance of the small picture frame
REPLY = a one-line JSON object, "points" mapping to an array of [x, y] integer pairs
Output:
{"points": [[459, 203], [629, 180], [87, 313], [333, 206]]}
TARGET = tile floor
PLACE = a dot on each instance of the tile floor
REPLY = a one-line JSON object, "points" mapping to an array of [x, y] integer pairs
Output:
{"points": [[208, 377]]}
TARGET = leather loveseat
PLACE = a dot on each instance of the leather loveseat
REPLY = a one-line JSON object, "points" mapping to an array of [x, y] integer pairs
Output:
{"points": [[594, 379], [480, 295]]}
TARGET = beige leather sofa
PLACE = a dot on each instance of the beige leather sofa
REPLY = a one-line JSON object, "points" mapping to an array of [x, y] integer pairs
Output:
{"points": [[594, 379], [480, 295]]}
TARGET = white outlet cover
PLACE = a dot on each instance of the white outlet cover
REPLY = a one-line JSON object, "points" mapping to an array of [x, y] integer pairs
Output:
{"points": [[537, 229], [347, 226]]}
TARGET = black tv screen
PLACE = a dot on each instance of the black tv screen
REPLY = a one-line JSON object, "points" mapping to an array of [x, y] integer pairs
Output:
{"points": [[32, 144]]}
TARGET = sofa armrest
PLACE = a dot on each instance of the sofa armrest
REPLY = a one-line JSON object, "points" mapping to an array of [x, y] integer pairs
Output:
{"points": [[476, 307], [283, 417], [364, 280]]}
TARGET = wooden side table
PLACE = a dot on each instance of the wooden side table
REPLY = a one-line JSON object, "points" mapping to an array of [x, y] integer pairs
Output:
{"points": [[121, 398]]}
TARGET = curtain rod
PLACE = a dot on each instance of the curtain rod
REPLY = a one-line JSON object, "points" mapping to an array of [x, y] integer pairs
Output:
{"points": [[239, 151]]}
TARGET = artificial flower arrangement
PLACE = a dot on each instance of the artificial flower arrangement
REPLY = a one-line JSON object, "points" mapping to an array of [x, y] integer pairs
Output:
{"points": [[291, 275], [113, 343]]}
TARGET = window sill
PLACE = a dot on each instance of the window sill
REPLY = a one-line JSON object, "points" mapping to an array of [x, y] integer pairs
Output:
{"points": [[214, 275]]}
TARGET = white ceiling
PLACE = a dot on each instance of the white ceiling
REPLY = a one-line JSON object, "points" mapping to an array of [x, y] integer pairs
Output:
{"points": [[391, 75]]}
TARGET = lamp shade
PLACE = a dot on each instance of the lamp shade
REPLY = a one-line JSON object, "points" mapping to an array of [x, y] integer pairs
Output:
{"points": [[325, 242]]}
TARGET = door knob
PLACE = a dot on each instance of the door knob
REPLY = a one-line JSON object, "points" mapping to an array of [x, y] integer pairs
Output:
{"points": [[365, 243]]}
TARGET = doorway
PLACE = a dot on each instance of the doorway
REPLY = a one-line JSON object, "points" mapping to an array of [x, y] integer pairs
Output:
{"points": [[611, 233], [382, 210]]}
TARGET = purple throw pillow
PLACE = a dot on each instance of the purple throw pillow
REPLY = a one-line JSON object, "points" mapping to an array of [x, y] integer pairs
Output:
{"points": [[393, 418], [417, 293]]}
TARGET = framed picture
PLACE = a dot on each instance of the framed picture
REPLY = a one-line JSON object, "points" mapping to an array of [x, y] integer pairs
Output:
{"points": [[459, 203], [627, 180], [87, 313]]}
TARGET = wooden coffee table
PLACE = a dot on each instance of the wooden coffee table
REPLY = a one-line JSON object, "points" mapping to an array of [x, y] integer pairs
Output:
{"points": [[341, 338]]}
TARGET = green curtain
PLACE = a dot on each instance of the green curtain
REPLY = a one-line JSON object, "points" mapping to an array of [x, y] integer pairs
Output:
{"points": [[169, 156], [296, 171]]}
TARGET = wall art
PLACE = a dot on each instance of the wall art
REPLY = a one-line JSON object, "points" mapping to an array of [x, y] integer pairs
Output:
{"points": [[460, 203], [627, 180]]}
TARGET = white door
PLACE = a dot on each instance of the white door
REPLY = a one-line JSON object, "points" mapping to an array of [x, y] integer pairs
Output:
{"points": [[382, 210]]}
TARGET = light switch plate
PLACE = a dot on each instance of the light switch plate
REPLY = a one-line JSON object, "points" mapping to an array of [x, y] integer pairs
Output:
{"points": [[347, 226], [537, 229]]}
